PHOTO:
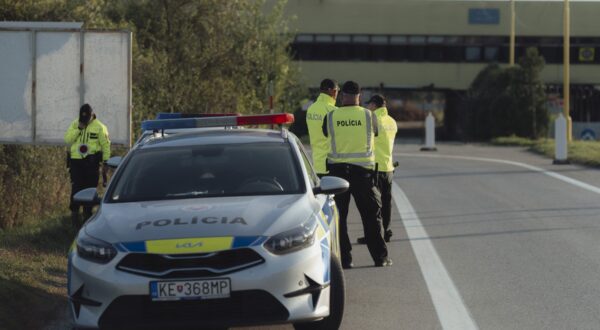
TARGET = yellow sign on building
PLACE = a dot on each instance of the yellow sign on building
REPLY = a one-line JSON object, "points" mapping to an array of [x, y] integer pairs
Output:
{"points": [[586, 54]]}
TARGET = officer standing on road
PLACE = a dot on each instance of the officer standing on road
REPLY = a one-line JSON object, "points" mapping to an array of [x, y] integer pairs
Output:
{"points": [[315, 115], [351, 130], [90, 145], [384, 151]]}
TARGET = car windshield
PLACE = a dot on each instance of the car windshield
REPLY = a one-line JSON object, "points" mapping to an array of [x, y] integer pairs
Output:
{"points": [[208, 171]]}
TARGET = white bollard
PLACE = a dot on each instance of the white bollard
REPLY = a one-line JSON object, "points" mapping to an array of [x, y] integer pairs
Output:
{"points": [[429, 134], [560, 141]]}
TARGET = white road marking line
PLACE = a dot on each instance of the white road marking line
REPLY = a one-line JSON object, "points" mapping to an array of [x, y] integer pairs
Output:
{"points": [[450, 308], [555, 175]]}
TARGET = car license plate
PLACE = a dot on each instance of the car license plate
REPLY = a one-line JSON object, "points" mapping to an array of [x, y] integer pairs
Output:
{"points": [[190, 289]]}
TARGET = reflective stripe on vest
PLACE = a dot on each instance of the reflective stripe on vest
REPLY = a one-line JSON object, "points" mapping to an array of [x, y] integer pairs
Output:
{"points": [[334, 155]]}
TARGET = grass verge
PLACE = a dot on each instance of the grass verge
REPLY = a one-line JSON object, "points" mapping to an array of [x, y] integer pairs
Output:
{"points": [[33, 265], [580, 152]]}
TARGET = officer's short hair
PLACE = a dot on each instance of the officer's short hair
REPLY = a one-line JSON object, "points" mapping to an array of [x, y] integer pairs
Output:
{"points": [[351, 87], [377, 99], [327, 84], [86, 108]]}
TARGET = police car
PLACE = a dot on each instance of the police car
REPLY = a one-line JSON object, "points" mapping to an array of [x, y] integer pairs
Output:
{"points": [[207, 224]]}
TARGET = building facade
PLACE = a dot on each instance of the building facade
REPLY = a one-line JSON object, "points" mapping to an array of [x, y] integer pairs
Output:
{"points": [[442, 45]]}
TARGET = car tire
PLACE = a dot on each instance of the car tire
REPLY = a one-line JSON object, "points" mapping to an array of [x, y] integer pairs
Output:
{"points": [[337, 296]]}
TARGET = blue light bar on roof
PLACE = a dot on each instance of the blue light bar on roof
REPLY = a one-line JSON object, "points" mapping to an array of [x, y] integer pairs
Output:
{"points": [[168, 115], [179, 123]]}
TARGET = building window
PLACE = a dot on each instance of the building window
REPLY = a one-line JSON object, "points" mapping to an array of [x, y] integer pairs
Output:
{"points": [[436, 48], [552, 55], [324, 38], [435, 53], [341, 38], [304, 38], [416, 40], [398, 40], [490, 54], [379, 40], [360, 39], [473, 54]]}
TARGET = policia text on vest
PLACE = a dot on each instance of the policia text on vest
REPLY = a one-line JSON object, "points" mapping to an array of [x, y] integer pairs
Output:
{"points": [[351, 131], [315, 114]]}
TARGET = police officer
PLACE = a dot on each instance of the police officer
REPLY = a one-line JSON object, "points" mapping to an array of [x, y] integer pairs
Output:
{"points": [[351, 130], [384, 148], [315, 115], [90, 145]]}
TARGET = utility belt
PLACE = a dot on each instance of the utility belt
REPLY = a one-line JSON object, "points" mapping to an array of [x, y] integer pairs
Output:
{"points": [[351, 169], [91, 159]]}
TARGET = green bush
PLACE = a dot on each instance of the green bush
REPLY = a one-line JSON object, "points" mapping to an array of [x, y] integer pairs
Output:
{"points": [[509, 101], [34, 183]]}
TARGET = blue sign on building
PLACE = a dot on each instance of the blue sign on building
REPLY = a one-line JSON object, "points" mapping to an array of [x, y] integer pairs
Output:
{"points": [[588, 134], [484, 16]]}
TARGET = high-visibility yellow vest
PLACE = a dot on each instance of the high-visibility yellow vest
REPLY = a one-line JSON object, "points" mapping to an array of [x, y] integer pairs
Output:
{"points": [[88, 141], [314, 121], [384, 142], [351, 136]]}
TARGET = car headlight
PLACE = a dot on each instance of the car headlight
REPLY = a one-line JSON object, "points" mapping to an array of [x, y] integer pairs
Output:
{"points": [[293, 240], [95, 250]]}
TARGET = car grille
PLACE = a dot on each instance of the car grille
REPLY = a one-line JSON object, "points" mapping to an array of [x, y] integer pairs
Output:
{"points": [[248, 307], [190, 265]]}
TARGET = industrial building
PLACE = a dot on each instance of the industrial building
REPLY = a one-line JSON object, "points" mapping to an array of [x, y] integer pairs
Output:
{"points": [[436, 48]]}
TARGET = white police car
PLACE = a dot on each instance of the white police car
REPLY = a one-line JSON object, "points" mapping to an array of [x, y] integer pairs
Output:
{"points": [[210, 228]]}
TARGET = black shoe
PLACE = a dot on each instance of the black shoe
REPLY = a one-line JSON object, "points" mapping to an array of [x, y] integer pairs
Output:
{"points": [[361, 240], [347, 265], [387, 235], [386, 262]]}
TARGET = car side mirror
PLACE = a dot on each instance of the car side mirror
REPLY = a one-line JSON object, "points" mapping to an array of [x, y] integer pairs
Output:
{"points": [[114, 161], [331, 185], [87, 197]]}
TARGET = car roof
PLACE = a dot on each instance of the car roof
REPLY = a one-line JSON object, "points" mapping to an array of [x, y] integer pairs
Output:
{"points": [[212, 136]]}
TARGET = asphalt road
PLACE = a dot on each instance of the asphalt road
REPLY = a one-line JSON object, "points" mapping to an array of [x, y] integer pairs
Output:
{"points": [[483, 243]]}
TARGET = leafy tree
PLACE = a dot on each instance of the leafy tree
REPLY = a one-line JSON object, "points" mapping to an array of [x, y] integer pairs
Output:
{"points": [[507, 101], [207, 56], [530, 95]]}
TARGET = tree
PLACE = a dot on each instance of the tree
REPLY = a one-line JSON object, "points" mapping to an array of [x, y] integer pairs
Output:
{"points": [[188, 56], [209, 56], [529, 90], [507, 101]]}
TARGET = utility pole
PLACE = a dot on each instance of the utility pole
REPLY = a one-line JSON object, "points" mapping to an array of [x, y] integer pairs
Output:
{"points": [[512, 33], [566, 68]]}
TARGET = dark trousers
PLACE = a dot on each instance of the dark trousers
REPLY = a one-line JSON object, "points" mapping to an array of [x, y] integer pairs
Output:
{"points": [[84, 174], [368, 200], [384, 183]]}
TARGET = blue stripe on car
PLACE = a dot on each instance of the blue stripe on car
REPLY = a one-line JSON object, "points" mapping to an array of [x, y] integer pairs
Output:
{"points": [[135, 246], [328, 210], [326, 259], [244, 241]]}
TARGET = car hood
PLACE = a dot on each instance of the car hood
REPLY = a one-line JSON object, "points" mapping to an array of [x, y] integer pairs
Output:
{"points": [[206, 217]]}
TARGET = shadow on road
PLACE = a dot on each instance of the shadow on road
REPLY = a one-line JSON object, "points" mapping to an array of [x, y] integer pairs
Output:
{"points": [[27, 307]]}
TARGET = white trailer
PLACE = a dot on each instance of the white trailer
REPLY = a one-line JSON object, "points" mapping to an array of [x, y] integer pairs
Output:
{"points": [[49, 69]]}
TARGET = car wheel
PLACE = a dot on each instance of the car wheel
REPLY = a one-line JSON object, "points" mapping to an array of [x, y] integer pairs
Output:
{"points": [[337, 294]]}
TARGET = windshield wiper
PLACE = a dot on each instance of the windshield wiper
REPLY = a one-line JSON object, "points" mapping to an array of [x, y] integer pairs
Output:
{"points": [[189, 193]]}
